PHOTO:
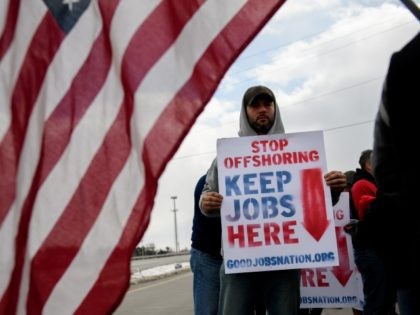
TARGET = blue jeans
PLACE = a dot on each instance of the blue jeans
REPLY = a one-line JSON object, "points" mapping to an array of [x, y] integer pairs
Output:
{"points": [[377, 284], [206, 283], [408, 301], [240, 291]]}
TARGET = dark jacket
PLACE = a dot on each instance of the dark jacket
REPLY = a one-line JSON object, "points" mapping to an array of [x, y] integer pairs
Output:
{"points": [[393, 219], [206, 231]]}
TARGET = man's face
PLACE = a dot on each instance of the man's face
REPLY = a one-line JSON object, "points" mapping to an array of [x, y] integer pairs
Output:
{"points": [[261, 113]]}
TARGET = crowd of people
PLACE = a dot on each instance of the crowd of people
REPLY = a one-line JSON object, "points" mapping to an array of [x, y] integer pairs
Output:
{"points": [[385, 224]]}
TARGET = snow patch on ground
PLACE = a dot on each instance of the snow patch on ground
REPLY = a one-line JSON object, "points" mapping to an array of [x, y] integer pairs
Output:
{"points": [[158, 272]]}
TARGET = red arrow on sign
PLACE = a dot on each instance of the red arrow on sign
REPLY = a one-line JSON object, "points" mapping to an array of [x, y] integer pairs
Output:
{"points": [[313, 202], [342, 272]]}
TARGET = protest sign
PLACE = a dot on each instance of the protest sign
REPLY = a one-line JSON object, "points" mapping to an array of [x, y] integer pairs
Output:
{"points": [[277, 210], [339, 286]]}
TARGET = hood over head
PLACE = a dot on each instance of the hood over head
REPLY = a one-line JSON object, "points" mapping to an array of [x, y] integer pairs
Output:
{"points": [[244, 128]]}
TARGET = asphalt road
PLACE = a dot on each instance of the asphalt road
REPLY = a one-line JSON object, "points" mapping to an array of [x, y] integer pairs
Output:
{"points": [[169, 296]]}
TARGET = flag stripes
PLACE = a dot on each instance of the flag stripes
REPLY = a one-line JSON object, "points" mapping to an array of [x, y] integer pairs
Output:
{"points": [[94, 116], [25, 217], [8, 16], [31, 149], [101, 173]]}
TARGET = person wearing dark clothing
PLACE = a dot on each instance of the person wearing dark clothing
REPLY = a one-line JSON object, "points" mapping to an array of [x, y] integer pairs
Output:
{"points": [[393, 218], [205, 259], [206, 231], [378, 290], [363, 189]]}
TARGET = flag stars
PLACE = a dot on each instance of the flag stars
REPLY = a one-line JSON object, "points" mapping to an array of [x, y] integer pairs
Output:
{"points": [[70, 3]]}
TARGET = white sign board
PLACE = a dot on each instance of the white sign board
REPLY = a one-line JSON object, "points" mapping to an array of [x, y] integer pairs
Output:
{"points": [[339, 286], [276, 211]]}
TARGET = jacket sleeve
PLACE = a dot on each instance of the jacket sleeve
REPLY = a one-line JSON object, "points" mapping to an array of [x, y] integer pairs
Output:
{"points": [[211, 184], [363, 192]]}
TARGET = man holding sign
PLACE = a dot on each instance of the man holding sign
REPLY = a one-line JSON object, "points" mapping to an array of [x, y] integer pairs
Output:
{"points": [[260, 115]]}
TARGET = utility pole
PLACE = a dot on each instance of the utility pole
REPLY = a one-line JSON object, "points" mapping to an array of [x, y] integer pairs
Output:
{"points": [[176, 227]]}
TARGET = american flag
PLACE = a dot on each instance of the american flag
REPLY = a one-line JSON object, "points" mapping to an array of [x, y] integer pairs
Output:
{"points": [[95, 98]]}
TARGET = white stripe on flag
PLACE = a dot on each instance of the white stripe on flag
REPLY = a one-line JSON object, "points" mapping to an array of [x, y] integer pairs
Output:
{"points": [[85, 141], [158, 88], [107, 232], [67, 62], [129, 176], [7, 250], [30, 14], [129, 15], [67, 184], [61, 72], [9, 67]]}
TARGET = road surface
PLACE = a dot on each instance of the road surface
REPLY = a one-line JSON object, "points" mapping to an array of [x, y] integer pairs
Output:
{"points": [[171, 296]]}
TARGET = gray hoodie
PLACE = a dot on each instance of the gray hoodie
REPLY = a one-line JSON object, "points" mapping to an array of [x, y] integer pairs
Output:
{"points": [[212, 183]]}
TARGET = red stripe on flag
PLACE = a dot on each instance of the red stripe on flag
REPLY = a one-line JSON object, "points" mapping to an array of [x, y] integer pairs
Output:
{"points": [[108, 162], [163, 141], [57, 132], [25, 92], [10, 27], [148, 45]]}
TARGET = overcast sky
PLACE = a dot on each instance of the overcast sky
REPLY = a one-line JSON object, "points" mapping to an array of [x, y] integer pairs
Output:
{"points": [[326, 61]]}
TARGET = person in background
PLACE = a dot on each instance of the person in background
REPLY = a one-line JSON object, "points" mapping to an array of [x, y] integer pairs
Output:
{"points": [[205, 259], [353, 215], [363, 190], [259, 115], [379, 295], [350, 179]]}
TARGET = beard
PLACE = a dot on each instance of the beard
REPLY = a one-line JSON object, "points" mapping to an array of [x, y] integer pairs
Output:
{"points": [[262, 126]]}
